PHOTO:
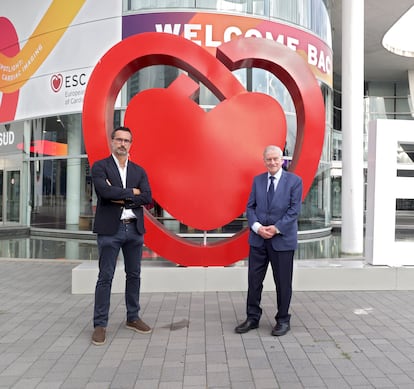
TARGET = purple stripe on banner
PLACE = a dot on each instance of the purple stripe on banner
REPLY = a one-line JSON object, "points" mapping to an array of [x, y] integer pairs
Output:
{"points": [[136, 24]]}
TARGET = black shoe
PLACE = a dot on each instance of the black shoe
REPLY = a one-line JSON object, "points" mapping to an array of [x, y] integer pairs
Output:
{"points": [[281, 329], [246, 326]]}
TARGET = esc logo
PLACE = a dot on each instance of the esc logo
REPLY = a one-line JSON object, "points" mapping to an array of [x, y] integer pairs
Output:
{"points": [[56, 82], [201, 164]]}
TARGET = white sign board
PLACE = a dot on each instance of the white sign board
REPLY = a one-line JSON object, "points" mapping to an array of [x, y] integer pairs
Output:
{"points": [[385, 186]]}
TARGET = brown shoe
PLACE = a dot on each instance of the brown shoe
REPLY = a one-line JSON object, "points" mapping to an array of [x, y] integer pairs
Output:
{"points": [[99, 336], [138, 326]]}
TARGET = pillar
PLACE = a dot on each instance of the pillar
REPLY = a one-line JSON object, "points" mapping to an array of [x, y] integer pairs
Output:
{"points": [[352, 232], [73, 171]]}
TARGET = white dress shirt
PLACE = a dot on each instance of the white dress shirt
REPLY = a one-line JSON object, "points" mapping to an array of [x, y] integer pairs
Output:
{"points": [[126, 213], [257, 225]]}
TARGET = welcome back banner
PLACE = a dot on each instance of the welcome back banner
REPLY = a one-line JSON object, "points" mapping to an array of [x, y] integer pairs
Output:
{"points": [[210, 30], [48, 49]]}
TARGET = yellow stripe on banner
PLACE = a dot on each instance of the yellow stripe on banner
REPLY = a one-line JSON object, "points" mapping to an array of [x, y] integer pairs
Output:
{"points": [[16, 71]]}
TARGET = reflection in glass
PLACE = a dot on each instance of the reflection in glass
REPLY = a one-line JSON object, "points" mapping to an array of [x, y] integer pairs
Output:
{"points": [[86, 249], [13, 196]]}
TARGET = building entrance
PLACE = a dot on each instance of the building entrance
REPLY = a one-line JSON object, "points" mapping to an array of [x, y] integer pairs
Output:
{"points": [[10, 196]]}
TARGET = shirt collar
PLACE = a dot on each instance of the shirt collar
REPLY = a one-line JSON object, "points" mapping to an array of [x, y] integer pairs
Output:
{"points": [[277, 175], [117, 162]]}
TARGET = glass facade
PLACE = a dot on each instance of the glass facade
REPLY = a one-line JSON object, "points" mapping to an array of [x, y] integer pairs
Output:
{"points": [[383, 100], [311, 15]]}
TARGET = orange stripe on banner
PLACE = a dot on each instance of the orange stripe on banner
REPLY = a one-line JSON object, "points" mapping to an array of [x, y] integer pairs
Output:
{"points": [[16, 71]]}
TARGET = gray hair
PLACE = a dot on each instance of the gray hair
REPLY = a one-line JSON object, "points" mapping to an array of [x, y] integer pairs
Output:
{"points": [[272, 148]]}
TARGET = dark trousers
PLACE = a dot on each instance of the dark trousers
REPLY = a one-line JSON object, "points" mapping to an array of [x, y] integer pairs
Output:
{"points": [[130, 241], [282, 268]]}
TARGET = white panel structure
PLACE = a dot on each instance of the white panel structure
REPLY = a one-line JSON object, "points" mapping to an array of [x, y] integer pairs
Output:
{"points": [[384, 188]]}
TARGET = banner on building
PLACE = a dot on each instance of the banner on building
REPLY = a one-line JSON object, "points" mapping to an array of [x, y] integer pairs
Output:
{"points": [[48, 50]]}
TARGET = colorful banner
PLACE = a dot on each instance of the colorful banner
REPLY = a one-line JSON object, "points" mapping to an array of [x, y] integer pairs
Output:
{"points": [[210, 30], [16, 70], [47, 52]]}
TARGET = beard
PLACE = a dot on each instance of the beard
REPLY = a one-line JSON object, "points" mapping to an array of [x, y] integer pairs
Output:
{"points": [[121, 151]]}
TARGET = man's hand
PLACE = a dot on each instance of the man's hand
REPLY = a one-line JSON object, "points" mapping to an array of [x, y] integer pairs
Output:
{"points": [[115, 201], [136, 191], [267, 232]]}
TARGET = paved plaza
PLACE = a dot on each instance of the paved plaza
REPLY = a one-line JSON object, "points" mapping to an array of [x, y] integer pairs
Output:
{"points": [[338, 339]]}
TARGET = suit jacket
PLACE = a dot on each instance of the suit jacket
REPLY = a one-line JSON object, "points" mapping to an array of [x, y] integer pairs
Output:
{"points": [[108, 213], [283, 211]]}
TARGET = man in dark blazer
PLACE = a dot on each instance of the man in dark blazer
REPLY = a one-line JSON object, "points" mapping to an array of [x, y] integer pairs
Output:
{"points": [[122, 189], [273, 208]]}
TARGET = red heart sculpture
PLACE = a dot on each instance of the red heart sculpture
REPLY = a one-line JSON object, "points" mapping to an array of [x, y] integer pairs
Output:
{"points": [[202, 162], [208, 142]]}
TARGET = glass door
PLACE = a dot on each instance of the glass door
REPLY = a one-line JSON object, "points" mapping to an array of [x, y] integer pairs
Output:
{"points": [[2, 205], [11, 193]]}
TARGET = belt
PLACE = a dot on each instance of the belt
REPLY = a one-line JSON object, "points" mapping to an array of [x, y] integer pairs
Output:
{"points": [[127, 221]]}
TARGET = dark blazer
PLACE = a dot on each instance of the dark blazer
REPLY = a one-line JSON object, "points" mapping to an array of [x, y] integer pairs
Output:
{"points": [[108, 213], [283, 212]]}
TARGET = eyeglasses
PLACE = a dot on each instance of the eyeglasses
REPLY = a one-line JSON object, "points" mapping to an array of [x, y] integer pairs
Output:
{"points": [[121, 140]]}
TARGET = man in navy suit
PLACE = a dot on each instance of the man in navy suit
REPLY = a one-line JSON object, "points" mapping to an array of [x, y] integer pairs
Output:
{"points": [[272, 212], [122, 189]]}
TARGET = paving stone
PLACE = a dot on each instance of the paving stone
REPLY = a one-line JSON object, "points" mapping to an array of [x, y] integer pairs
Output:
{"points": [[338, 339]]}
